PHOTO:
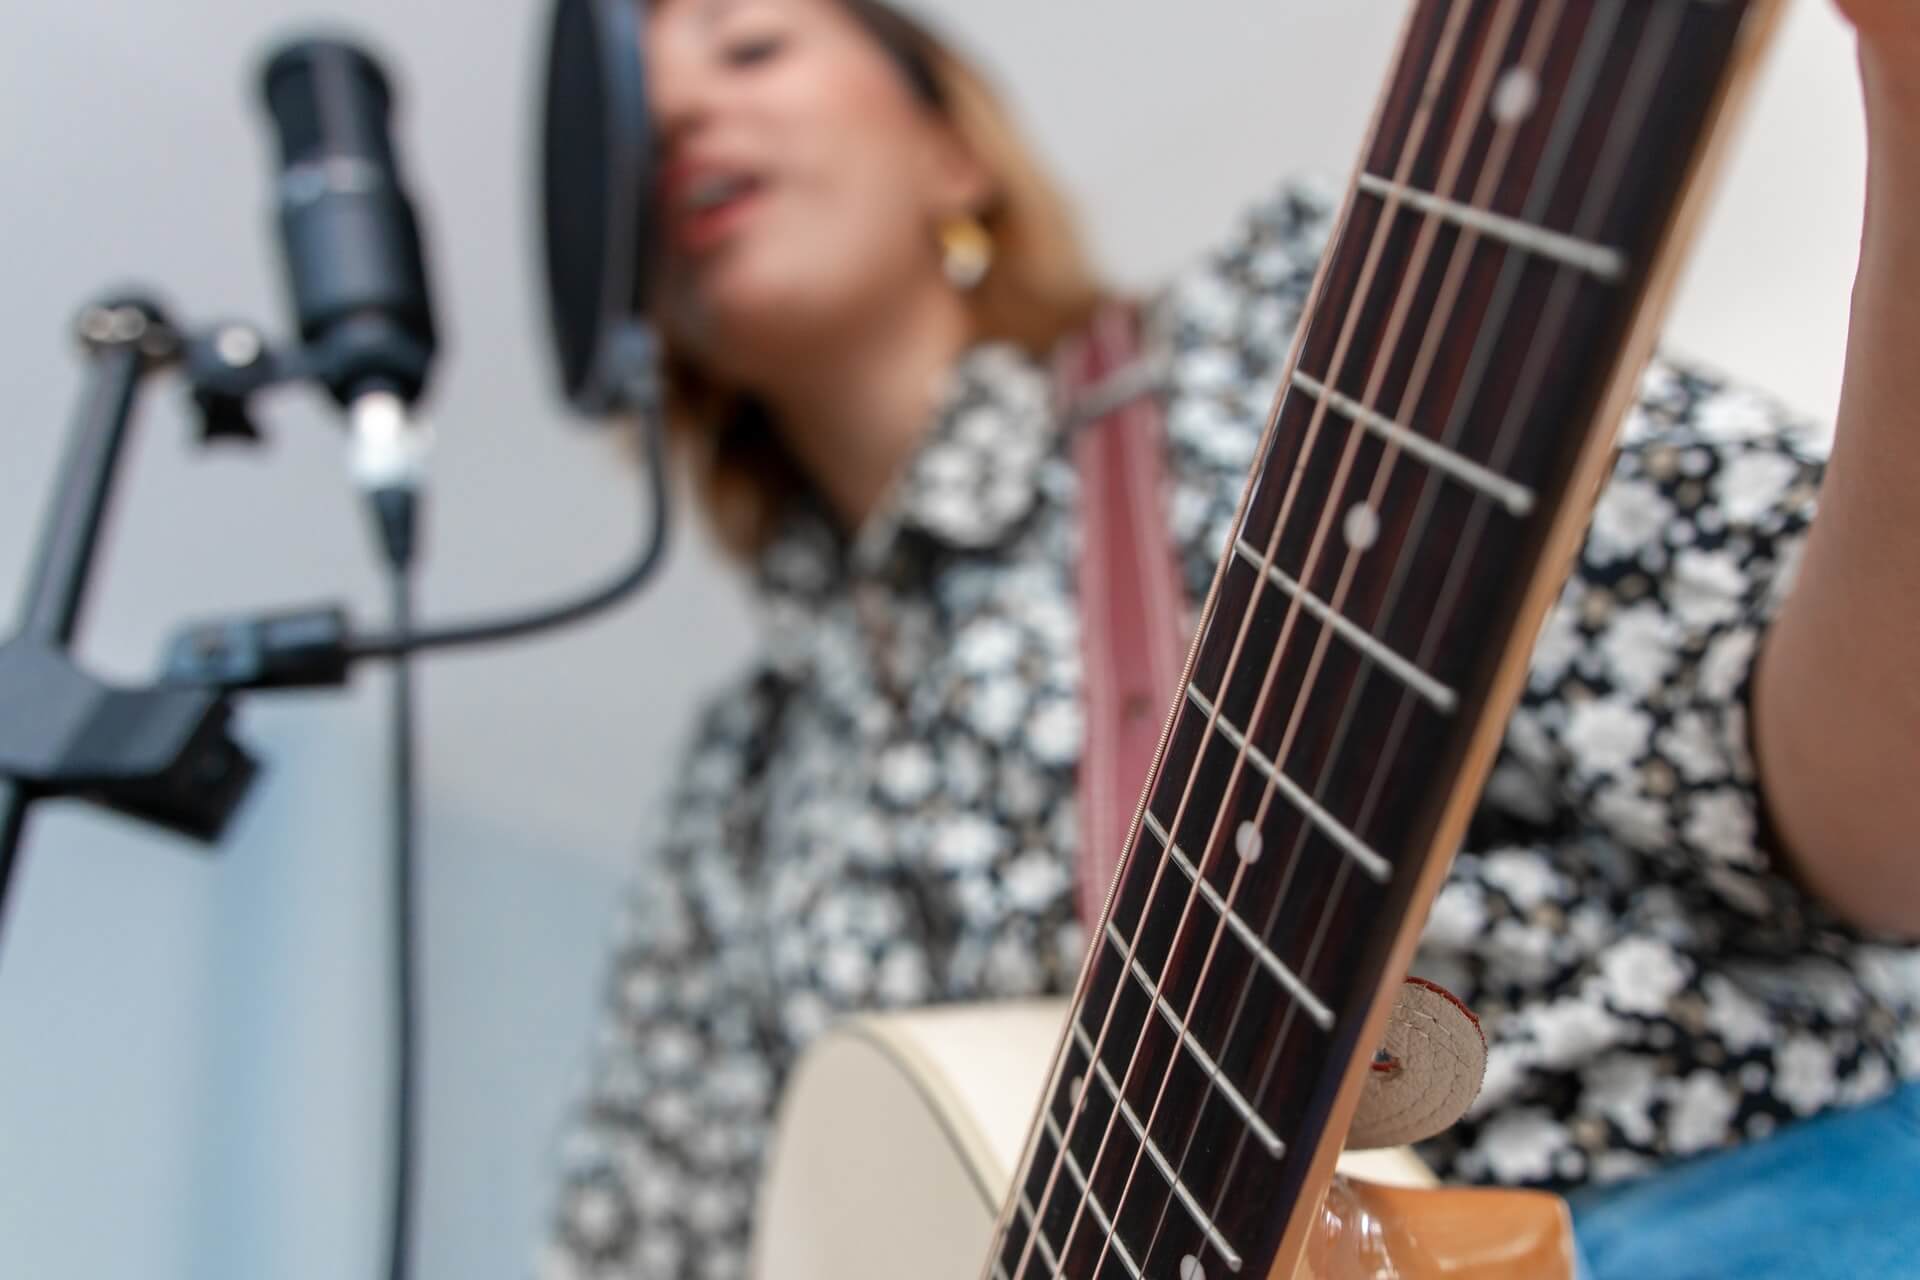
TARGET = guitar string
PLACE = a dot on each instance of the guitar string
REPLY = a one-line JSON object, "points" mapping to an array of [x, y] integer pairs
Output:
{"points": [[1480, 513], [1095, 355], [1592, 211], [1086, 362], [1502, 27], [1416, 135], [1532, 55], [1078, 1105], [1588, 63], [1439, 70]]}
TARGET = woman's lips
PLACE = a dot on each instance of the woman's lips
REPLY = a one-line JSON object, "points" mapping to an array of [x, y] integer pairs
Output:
{"points": [[701, 231]]}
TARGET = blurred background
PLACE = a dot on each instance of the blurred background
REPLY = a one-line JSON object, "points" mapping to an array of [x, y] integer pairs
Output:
{"points": [[193, 1069]]}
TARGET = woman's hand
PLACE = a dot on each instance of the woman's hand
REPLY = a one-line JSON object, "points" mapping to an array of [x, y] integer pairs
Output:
{"points": [[1889, 54], [1837, 696], [1896, 20]]}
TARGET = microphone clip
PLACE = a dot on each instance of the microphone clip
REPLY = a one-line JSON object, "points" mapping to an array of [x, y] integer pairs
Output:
{"points": [[163, 754], [228, 364]]}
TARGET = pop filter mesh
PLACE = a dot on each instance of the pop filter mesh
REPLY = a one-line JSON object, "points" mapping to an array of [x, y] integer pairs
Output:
{"points": [[594, 173]]}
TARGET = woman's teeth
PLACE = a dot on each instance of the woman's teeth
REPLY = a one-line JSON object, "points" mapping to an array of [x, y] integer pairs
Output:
{"points": [[711, 193]]}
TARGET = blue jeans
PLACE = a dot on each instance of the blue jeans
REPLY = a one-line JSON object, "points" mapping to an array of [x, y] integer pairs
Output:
{"points": [[1835, 1196]]}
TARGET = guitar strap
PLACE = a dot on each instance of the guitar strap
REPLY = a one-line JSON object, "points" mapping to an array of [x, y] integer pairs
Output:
{"points": [[1133, 628], [1132, 609]]}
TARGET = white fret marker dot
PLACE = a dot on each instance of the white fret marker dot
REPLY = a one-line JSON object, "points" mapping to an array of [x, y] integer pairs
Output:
{"points": [[1362, 527], [1078, 1087], [1249, 842], [1515, 97], [1190, 1269]]}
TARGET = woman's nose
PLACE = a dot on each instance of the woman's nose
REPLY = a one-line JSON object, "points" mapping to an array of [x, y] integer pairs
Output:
{"points": [[680, 91]]}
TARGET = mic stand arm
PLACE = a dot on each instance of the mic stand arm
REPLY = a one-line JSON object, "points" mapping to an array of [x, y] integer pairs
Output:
{"points": [[162, 755]]}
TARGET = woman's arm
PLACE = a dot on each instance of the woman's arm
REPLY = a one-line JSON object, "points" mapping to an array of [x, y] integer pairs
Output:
{"points": [[1837, 691]]}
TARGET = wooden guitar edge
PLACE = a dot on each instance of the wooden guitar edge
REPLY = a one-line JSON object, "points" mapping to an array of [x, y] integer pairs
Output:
{"points": [[1564, 538]]}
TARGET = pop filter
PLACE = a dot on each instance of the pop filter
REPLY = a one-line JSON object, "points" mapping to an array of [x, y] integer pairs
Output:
{"points": [[596, 173]]}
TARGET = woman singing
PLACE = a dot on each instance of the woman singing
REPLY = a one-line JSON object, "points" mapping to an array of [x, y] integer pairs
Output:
{"points": [[1680, 906]]}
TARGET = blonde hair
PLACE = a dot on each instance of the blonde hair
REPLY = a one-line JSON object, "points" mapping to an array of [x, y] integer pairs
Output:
{"points": [[1041, 287]]}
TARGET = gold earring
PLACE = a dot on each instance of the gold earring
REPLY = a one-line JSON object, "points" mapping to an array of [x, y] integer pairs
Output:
{"points": [[966, 251]]}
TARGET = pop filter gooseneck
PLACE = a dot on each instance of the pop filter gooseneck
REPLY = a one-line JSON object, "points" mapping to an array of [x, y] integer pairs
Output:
{"points": [[596, 175]]}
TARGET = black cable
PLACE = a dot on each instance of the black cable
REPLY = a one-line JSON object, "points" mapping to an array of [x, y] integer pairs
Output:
{"points": [[403, 933], [461, 635], [395, 514], [13, 819], [312, 647]]}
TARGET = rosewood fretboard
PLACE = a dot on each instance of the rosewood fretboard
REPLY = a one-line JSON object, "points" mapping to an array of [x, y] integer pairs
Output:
{"points": [[1487, 296]]}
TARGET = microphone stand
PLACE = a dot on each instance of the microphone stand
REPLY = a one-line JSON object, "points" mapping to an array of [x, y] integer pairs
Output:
{"points": [[161, 754]]}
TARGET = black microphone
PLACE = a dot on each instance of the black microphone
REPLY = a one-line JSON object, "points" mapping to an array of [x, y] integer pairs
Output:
{"points": [[355, 271], [356, 275], [358, 285]]}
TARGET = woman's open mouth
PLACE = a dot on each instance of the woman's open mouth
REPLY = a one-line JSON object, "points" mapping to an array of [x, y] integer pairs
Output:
{"points": [[709, 207]]}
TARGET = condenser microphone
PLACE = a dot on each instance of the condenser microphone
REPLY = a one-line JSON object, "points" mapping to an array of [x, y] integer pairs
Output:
{"points": [[356, 276], [355, 272]]}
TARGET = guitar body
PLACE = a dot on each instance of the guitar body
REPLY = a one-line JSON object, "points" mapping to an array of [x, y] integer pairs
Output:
{"points": [[899, 1135], [897, 1141]]}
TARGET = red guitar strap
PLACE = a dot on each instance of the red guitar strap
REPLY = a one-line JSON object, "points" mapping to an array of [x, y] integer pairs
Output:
{"points": [[1132, 608]]}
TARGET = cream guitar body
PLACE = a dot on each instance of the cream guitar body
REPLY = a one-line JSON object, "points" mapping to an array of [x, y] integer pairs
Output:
{"points": [[899, 1135]]}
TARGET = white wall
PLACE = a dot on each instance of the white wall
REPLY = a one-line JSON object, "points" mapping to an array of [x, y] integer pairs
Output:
{"points": [[191, 1048], [1170, 118]]}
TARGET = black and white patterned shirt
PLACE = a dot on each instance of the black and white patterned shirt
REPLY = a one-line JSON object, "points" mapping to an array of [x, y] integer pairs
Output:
{"points": [[882, 813]]}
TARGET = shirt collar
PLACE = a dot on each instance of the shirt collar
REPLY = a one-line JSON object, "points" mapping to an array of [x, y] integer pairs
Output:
{"points": [[970, 483]]}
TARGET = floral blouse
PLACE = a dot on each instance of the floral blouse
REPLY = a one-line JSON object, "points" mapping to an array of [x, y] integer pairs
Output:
{"points": [[882, 813]]}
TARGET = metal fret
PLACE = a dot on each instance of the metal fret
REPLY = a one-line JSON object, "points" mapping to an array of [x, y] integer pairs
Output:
{"points": [[1443, 699], [1047, 1255], [1370, 862], [1607, 264], [1100, 1214], [1526, 355], [1297, 988], [1516, 498], [1152, 1148], [1237, 1100]]}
